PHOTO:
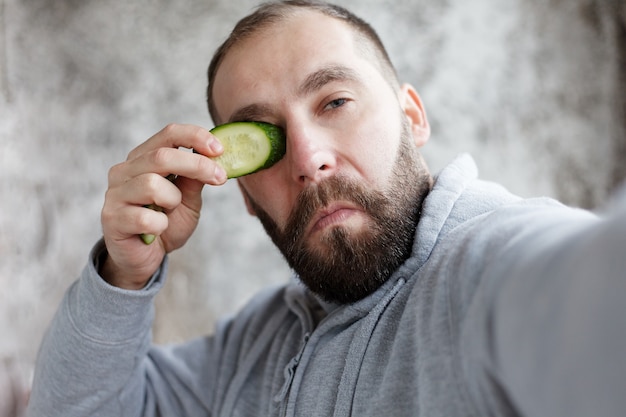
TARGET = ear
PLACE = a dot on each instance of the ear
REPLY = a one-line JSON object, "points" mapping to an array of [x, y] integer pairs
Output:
{"points": [[414, 110], [246, 199]]}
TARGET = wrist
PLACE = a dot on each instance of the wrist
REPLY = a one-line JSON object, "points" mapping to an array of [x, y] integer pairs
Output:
{"points": [[113, 275]]}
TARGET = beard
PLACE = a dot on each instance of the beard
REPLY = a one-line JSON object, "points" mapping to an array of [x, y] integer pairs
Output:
{"points": [[345, 266]]}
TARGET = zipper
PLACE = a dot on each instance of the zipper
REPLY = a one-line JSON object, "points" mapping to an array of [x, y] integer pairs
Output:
{"points": [[289, 373]]}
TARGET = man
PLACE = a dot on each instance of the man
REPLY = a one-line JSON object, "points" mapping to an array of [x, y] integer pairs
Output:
{"points": [[441, 298]]}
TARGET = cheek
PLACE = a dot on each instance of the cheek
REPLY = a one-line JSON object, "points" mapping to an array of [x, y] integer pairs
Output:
{"points": [[269, 192], [376, 148]]}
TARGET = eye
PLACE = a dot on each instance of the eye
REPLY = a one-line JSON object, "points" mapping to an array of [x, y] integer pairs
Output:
{"points": [[336, 103]]}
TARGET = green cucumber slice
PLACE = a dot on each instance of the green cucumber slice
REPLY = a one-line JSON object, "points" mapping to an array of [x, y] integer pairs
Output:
{"points": [[249, 147]]}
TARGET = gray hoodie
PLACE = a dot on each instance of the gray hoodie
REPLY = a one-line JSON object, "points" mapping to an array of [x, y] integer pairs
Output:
{"points": [[501, 308]]}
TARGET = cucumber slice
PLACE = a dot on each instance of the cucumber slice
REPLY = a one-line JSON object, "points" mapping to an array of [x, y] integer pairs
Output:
{"points": [[249, 147]]}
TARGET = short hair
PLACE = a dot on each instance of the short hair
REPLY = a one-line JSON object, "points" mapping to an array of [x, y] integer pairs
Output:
{"points": [[273, 12]]}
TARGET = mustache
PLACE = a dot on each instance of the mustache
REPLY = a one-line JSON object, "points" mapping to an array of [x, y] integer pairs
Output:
{"points": [[317, 196]]}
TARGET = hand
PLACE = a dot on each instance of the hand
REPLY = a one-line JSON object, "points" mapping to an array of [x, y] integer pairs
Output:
{"points": [[140, 181]]}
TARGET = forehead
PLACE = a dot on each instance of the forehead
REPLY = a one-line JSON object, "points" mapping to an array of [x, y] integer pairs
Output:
{"points": [[279, 57]]}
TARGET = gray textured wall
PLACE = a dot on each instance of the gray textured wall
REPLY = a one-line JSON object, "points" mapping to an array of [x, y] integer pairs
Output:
{"points": [[534, 89]]}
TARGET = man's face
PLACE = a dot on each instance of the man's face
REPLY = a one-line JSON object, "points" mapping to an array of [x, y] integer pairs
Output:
{"points": [[351, 161]]}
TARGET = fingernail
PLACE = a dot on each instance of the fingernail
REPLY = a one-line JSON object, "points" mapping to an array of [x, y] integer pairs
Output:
{"points": [[220, 174], [216, 146]]}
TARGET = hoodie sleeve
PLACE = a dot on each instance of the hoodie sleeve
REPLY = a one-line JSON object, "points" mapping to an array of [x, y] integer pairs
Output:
{"points": [[97, 357], [546, 331], [94, 357]]}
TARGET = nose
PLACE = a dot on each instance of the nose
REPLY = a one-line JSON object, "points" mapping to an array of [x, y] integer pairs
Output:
{"points": [[310, 153]]}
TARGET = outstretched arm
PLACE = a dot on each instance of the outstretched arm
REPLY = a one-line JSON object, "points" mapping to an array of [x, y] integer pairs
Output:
{"points": [[553, 325]]}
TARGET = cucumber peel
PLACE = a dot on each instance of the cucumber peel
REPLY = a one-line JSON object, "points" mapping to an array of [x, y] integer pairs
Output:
{"points": [[249, 147]]}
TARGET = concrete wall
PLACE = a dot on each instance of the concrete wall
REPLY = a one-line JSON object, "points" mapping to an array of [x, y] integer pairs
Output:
{"points": [[534, 89]]}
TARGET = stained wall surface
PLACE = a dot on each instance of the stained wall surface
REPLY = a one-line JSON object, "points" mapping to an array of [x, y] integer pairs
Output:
{"points": [[533, 89]]}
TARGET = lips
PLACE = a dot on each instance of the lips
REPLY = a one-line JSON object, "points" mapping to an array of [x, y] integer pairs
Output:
{"points": [[331, 215]]}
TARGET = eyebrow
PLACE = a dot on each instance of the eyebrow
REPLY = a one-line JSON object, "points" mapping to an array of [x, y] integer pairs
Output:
{"points": [[318, 79], [312, 83], [250, 113]]}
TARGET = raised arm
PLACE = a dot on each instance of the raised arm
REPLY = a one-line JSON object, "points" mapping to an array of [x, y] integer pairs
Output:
{"points": [[93, 360], [141, 181]]}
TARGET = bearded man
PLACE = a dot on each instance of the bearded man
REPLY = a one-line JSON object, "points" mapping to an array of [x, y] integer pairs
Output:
{"points": [[411, 296]]}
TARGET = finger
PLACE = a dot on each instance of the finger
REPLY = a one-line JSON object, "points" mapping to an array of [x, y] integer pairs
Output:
{"points": [[160, 154], [165, 161], [130, 208], [181, 135], [130, 220], [145, 189]]}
